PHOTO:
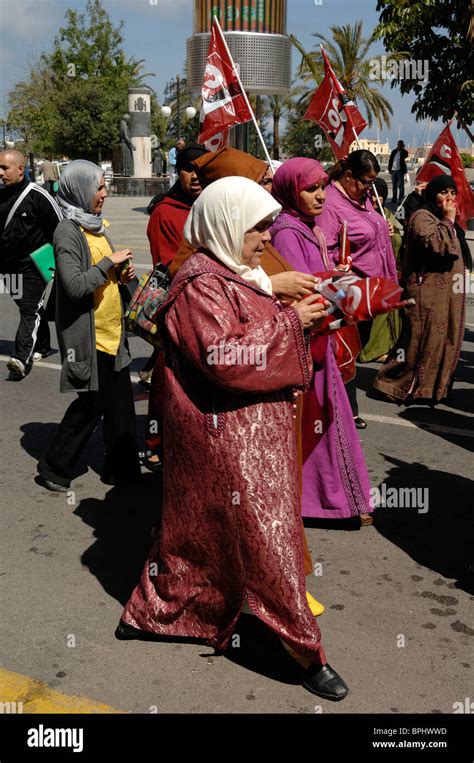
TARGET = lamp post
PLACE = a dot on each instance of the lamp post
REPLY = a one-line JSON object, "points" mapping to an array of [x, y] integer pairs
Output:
{"points": [[178, 112], [190, 112]]}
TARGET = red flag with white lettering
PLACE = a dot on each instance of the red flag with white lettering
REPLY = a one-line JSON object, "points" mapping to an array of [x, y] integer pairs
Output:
{"points": [[333, 110], [223, 102], [444, 159]]}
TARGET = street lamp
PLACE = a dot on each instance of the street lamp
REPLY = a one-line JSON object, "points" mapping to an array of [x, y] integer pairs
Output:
{"points": [[190, 111]]}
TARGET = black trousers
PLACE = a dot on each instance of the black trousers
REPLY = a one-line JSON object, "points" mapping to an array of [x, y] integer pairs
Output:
{"points": [[28, 290], [113, 402], [364, 328]]}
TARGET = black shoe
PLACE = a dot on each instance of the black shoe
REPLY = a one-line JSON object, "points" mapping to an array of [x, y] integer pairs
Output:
{"points": [[126, 632], [50, 485], [360, 423], [325, 682]]}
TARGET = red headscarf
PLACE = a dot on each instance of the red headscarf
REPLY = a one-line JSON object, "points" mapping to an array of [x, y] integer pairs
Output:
{"points": [[293, 176]]}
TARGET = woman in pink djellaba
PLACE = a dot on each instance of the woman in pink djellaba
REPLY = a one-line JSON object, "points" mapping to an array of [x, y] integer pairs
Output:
{"points": [[235, 360]]}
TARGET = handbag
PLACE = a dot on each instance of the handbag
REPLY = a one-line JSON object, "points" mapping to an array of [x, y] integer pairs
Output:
{"points": [[43, 259], [148, 297]]}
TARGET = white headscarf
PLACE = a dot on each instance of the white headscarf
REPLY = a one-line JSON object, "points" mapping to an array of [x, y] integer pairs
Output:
{"points": [[222, 214]]}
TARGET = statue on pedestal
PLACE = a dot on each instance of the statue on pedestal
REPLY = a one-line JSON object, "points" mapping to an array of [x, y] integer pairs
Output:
{"points": [[127, 147]]}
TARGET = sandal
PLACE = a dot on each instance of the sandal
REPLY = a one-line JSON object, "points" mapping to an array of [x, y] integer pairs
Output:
{"points": [[360, 423], [145, 460]]}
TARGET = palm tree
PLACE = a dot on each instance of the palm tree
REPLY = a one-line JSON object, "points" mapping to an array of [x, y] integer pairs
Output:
{"points": [[347, 53], [276, 108]]}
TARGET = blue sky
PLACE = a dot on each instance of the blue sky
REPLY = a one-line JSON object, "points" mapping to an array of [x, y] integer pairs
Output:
{"points": [[158, 33]]}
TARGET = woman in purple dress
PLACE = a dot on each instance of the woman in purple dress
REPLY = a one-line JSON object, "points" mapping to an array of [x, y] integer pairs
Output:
{"points": [[348, 200], [335, 480]]}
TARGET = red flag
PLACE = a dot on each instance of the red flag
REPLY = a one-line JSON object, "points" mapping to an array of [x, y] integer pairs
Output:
{"points": [[444, 159], [219, 140], [223, 101], [332, 109]]}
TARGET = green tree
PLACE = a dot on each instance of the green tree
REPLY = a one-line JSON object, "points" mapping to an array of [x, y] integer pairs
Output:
{"points": [[32, 112], [466, 160], [440, 33], [86, 79]]}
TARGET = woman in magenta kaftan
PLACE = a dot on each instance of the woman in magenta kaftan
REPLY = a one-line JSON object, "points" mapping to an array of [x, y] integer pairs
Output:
{"points": [[234, 358], [335, 483]]}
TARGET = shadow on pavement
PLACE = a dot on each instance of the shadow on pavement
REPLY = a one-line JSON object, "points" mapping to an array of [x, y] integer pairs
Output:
{"points": [[259, 650], [424, 418], [123, 524], [441, 537]]}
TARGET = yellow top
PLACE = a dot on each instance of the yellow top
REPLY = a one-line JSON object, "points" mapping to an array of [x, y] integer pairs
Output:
{"points": [[107, 302]]}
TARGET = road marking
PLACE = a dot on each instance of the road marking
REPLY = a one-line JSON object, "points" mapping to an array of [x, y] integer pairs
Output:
{"points": [[57, 367], [23, 694], [415, 424]]}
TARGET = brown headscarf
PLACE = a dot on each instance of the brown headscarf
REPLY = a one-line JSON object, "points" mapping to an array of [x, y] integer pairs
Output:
{"points": [[224, 163]]}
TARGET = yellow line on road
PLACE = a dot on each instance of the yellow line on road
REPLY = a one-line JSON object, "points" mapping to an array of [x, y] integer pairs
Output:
{"points": [[23, 694]]}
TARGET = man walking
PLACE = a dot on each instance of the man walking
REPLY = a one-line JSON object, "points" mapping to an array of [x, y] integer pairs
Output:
{"points": [[397, 167], [28, 218], [50, 175], [172, 158]]}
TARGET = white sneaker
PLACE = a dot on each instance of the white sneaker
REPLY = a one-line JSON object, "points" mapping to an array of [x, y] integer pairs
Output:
{"points": [[36, 356], [16, 367]]}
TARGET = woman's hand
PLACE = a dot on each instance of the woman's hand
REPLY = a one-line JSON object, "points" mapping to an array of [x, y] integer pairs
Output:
{"points": [[128, 274], [119, 257], [449, 208], [311, 310], [391, 229], [292, 285], [420, 186]]}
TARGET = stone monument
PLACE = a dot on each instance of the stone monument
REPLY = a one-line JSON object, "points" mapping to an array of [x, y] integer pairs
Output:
{"points": [[127, 148], [139, 106]]}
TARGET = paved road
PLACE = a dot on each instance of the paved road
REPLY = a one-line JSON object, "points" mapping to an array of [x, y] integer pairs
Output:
{"points": [[399, 609]]}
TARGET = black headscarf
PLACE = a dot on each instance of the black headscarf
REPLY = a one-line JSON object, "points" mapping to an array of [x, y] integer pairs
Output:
{"points": [[183, 161], [435, 186], [188, 154]]}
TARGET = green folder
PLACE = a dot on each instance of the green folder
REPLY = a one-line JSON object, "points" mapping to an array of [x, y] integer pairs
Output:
{"points": [[43, 259]]}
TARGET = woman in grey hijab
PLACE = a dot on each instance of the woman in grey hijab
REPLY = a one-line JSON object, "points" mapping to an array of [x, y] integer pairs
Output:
{"points": [[91, 334]]}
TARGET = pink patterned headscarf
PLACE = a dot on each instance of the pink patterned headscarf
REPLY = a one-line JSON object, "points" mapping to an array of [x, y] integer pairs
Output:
{"points": [[293, 176]]}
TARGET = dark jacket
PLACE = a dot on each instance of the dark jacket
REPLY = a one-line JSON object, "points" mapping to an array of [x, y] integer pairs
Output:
{"points": [[32, 225], [403, 158], [76, 281]]}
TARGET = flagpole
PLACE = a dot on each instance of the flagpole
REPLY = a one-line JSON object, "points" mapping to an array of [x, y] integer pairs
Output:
{"points": [[257, 128], [374, 188]]}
